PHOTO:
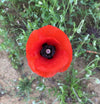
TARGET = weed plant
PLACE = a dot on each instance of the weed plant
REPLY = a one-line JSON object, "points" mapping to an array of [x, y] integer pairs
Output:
{"points": [[80, 19], [24, 86]]}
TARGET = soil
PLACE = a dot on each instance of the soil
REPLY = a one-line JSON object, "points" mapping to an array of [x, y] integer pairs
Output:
{"points": [[9, 77]]}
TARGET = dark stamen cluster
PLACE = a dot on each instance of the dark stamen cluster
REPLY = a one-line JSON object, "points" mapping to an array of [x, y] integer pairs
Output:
{"points": [[47, 51]]}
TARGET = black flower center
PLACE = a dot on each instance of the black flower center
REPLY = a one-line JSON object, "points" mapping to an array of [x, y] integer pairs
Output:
{"points": [[47, 51]]}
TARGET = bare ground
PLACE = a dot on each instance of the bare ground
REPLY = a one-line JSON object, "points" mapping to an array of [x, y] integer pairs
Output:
{"points": [[9, 77]]}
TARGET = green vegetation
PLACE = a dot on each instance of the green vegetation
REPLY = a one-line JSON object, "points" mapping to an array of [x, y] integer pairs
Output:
{"points": [[79, 19], [24, 86]]}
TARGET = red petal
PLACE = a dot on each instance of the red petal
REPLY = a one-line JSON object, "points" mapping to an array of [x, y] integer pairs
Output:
{"points": [[63, 55]]}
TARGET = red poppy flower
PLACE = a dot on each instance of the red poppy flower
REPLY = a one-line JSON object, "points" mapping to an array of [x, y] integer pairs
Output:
{"points": [[48, 51]]}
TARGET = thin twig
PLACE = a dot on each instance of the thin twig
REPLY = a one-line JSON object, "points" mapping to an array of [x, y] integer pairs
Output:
{"points": [[92, 52]]}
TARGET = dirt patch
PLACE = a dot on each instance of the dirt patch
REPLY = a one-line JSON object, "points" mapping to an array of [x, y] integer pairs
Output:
{"points": [[7, 72], [10, 100], [94, 88], [80, 65], [8, 78], [26, 70]]}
